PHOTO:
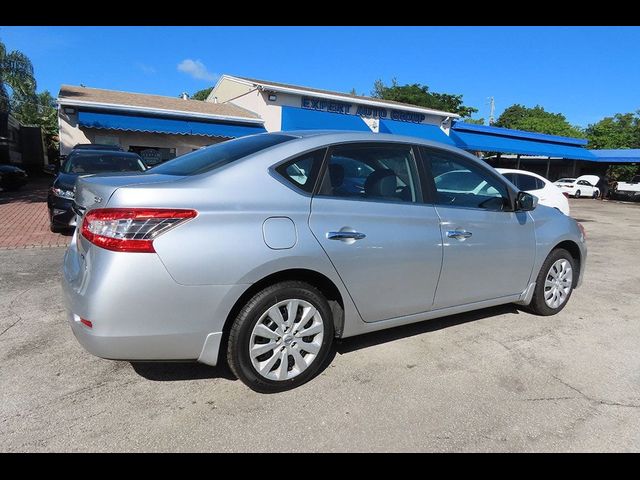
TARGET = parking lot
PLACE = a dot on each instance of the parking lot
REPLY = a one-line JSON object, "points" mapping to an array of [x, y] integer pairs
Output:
{"points": [[498, 379]]}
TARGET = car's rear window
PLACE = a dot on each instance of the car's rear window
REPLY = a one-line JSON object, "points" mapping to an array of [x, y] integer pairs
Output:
{"points": [[84, 162], [216, 156]]}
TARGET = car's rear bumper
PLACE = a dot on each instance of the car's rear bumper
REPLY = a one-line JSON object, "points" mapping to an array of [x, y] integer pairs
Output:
{"points": [[626, 195], [137, 310], [61, 212]]}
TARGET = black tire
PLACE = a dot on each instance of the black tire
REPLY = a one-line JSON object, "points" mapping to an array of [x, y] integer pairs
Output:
{"points": [[240, 335], [577, 195], [54, 228], [538, 305], [596, 194]]}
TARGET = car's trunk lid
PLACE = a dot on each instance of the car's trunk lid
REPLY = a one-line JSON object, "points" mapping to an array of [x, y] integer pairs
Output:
{"points": [[95, 191]]}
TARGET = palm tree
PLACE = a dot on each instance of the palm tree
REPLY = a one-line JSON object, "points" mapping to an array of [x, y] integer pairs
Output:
{"points": [[16, 72]]}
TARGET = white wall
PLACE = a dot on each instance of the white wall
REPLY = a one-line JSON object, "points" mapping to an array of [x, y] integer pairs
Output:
{"points": [[257, 102]]}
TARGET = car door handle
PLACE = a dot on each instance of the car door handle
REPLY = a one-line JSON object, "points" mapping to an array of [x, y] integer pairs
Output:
{"points": [[345, 235], [458, 234]]}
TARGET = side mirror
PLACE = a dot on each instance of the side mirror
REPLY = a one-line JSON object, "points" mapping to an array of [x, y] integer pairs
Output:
{"points": [[51, 169], [526, 202]]}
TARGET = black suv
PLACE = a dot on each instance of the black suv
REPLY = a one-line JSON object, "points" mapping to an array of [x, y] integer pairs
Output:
{"points": [[81, 162]]}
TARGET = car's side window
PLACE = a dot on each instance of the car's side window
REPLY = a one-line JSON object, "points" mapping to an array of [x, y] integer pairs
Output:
{"points": [[539, 184], [372, 172], [302, 171], [526, 182], [460, 183]]}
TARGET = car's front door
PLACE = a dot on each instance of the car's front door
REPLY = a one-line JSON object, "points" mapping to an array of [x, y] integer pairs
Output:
{"points": [[384, 241], [488, 249]]}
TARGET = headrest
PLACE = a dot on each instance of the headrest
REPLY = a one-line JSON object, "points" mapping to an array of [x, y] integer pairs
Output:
{"points": [[381, 183], [336, 175]]}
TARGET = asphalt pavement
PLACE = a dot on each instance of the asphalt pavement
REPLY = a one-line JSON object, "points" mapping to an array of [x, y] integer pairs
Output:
{"points": [[498, 379]]}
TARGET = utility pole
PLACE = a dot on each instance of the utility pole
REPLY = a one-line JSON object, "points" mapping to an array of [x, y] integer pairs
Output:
{"points": [[492, 110]]}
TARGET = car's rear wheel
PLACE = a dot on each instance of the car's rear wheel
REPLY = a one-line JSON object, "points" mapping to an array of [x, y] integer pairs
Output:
{"points": [[577, 195], [281, 337], [554, 284]]}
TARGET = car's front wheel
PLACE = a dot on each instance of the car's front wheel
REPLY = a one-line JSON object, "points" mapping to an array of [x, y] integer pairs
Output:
{"points": [[577, 195], [281, 337], [554, 284]]}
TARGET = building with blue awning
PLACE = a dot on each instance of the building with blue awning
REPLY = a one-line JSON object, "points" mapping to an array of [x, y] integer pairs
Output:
{"points": [[158, 128]]}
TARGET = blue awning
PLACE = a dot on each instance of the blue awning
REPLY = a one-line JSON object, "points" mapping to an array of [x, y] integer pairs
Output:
{"points": [[112, 121], [521, 134], [294, 118], [224, 129], [617, 155], [429, 132], [505, 143]]}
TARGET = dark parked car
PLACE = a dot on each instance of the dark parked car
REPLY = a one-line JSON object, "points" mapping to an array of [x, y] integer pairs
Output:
{"points": [[82, 163], [12, 177], [97, 146]]}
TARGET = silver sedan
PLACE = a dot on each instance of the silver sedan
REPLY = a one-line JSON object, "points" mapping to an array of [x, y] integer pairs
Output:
{"points": [[266, 248]]}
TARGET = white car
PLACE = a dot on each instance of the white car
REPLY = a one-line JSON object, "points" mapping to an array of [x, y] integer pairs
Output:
{"points": [[583, 186], [548, 194]]}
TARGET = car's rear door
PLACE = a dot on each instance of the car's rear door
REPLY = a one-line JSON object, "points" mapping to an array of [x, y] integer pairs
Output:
{"points": [[488, 249], [371, 220]]}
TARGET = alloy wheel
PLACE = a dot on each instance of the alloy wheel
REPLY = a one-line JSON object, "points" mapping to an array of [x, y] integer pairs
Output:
{"points": [[286, 339], [558, 283]]}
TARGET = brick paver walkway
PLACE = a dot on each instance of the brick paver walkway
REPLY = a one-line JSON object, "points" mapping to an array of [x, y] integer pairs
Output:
{"points": [[24, 220]]}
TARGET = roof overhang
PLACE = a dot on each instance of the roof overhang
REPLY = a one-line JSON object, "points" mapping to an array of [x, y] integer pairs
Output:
{"points": [[617, 155], [495, 139], [156, 111], [267, 87], [521, 134]]}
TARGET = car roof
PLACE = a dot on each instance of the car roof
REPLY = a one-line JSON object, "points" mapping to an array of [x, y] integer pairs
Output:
{"points": [[523, 172], [85, 151], [97, 146], [338, 136]]}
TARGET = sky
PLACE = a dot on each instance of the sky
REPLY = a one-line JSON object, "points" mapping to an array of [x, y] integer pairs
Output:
{"points": [[586, 73]]}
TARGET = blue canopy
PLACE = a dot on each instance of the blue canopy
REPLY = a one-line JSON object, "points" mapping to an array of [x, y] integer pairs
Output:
{"points": [[493, 139], [113, 121], [429, 132], [617, 155], [509, 132], [294, 118]]}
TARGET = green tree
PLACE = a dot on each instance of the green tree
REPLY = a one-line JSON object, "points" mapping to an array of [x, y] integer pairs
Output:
{"points": [[16, 73], [537, 119], [475, 121], [38, 110], [201, 94], [620, 131], [417, 94]]}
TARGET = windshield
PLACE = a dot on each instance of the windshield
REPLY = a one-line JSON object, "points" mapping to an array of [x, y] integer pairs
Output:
{"points": [[566, 180], [102, 162], [220, 154]]}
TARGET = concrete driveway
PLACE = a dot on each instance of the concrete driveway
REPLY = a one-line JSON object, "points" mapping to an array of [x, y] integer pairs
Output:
{"points": [[495, 380]]}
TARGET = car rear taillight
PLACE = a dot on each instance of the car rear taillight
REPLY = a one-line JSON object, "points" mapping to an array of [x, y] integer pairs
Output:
{"points": [[565, 194], [130, 229]]}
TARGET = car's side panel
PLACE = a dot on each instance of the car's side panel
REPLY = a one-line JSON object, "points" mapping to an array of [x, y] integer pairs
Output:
{"points": [[495, 261], [392, 271], [551, 229]]}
